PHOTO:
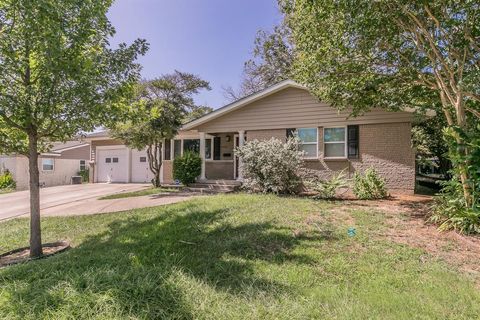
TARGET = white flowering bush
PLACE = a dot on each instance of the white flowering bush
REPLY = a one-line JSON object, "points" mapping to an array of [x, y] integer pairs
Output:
{"points": [[271, 166]]}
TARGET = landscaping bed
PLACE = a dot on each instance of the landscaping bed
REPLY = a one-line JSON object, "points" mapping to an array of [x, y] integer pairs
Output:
{"points": [[23, 254]]}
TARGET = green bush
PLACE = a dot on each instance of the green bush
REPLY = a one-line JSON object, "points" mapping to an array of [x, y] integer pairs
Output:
{"points": [[327, 189], [369, 185], [187, 168], [6, 181], [450, 210], [271, 165], [84, 174]]}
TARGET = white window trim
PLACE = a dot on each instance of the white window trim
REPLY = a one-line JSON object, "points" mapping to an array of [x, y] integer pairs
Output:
{"points": [[53, 164], [337, 142], [172, 146], [310, 143]]}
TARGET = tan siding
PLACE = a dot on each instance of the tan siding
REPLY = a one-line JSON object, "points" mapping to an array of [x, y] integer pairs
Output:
{"points": [[292, 108]]}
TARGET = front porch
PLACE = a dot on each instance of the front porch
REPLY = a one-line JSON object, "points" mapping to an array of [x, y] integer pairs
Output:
{"points": [[216, 150]]}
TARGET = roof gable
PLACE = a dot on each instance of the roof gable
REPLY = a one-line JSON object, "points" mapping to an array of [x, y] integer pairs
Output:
{"points": [[242, 102]]}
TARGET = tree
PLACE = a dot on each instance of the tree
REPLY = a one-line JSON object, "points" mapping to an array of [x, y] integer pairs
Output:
{"points": [[392, 54], [271, 62], [58, 77], [162, 106]]}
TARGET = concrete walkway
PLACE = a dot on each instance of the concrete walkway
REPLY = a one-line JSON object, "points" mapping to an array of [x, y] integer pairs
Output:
{"points": [[80, 199]]}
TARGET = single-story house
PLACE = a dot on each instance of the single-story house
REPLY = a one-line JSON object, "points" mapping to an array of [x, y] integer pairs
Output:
{"points": [[331, 139], [57, 166]]}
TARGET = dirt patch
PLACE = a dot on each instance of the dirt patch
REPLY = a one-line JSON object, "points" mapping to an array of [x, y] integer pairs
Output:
{"points": [[406, 218], [23, 254]]}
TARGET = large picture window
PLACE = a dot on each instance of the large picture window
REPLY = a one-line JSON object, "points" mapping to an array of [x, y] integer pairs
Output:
{"points": [[335, 142], [192, 145], [309, 141]]}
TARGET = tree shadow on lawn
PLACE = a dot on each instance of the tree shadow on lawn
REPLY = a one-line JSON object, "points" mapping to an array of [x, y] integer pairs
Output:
{"points": [[138, 265]]}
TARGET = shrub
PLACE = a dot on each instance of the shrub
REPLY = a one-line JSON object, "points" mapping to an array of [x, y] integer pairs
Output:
{"points": [[187, 167], [84, 174], [7, 181], [369, 185], [450, 210], [327, 189], [271, 166]]}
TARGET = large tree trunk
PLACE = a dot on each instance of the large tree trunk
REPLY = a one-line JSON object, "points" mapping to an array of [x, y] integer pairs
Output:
{"points": [[35, 230], [155, 162], [462, 123]]}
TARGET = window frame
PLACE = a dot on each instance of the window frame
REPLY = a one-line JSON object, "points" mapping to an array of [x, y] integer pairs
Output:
{"points": [[345, 144], [309, 143], [53, 164], [84, 165]]}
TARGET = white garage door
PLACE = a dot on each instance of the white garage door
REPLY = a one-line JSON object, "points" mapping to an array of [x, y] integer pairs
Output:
{"points": [[112, 165], [140, 169]]}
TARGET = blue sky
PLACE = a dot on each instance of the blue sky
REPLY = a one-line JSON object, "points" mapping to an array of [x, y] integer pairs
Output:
{"points": [[211, 38]]}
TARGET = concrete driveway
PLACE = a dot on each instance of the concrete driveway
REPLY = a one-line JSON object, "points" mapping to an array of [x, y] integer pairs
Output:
{"points": [[64, 200]]}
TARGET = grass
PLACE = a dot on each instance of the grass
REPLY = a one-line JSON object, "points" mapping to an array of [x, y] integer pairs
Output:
{"points": [[230, 257], [144, 192]]}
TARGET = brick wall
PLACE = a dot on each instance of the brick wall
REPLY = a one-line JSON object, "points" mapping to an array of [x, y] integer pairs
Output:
{"points": [[385, 147]]}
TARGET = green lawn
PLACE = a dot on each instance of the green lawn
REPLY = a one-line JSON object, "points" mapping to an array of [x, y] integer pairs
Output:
{"points": [[230, 257], [145, 192]]}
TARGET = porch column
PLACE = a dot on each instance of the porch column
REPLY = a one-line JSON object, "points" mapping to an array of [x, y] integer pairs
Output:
{"points": [[202, 155], [241, 141]]}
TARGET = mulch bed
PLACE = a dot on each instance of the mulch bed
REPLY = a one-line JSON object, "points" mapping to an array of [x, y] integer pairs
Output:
{"points": [[23, 254]]}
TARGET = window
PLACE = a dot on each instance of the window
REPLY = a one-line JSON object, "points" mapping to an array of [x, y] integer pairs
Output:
{"points": [[48, 164], [108, 160], [143, 159], [115, 160], [192, 145], [177, 148], [83, 165], [309, 141], [335, 145], [208, 148], [168, 150]]}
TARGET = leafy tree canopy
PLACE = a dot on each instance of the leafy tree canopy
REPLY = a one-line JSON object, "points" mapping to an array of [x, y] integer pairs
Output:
{"points": [[390, 54], [271, 62], [161, 106], [394, 54], [58, 77], [58, 74]]}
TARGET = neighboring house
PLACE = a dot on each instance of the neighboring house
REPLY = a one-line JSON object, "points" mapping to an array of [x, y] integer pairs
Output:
{"points": [[56, 167], [332, 141]]}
